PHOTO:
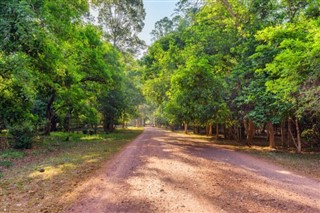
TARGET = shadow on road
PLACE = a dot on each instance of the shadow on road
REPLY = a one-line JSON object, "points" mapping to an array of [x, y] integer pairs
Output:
{"points": [[167, 172]]}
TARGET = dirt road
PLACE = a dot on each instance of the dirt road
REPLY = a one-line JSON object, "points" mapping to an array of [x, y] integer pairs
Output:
{"points": [[166, 172]]}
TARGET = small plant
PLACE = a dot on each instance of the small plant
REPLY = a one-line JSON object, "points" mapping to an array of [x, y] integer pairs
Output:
{"points": [[51, 149], [36, 152], [6, 164]]}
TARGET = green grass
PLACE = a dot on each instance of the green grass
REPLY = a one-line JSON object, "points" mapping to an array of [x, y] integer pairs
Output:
{"points": [[11, 154], [66, 163], [6, 164]]}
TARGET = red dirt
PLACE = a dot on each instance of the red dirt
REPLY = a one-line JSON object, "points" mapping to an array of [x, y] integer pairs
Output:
{"points": [[162, 171]]}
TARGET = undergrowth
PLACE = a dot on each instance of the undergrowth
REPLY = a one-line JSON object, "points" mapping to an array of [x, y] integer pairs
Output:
{"points": [[54, 166]]}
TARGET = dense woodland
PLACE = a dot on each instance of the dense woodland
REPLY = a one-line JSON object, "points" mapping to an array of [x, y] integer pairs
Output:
{"points": [[62, 67], [237, 67]]}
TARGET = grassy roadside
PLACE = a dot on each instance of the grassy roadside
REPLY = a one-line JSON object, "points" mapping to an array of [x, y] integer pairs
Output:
{"points": [[306, 163], [35, 180]]}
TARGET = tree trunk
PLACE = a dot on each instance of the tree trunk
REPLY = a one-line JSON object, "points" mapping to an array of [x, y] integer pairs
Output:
{"points": [[105, 126], [250, 132], [224, 131], [298, 135], [238, 132], [67, 120], [264, 129], [111, 127], [108, 124], [54, 123], [272, 143], [241, 132], [196, 129], [289, 133], [95, 128], [210, 130], [217, 131], [49, 114], [283, 132], [246, 126], [297, 142], [228, 134], [207, 129], [108, 127], [185, 128]]}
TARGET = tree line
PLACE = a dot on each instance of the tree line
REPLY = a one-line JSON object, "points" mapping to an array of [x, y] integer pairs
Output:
{"points": [[62, 67], [238, 64]]}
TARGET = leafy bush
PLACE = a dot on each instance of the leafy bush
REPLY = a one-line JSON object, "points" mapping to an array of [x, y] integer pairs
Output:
{"points": [[22, 135]]}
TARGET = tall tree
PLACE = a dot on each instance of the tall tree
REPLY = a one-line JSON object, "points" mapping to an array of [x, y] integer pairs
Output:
{"points": [[162, 28], [122, 20]]}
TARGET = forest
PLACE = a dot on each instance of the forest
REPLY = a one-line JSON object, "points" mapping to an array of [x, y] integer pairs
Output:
{"points": [[228, 91], [65, 68], [241, 68], [236, 67]]}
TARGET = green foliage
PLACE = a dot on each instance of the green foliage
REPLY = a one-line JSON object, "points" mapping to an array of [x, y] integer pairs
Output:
{"points": [[294, 65], [122, 20], [11, 154], [162, 28], [16, 99], [6, 164], [54, 65], [22, 135], [192, 96], [236, 60], [111, 103]]}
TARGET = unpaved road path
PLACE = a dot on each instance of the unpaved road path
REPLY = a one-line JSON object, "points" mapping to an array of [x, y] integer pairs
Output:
{"points": [[162, 171]]}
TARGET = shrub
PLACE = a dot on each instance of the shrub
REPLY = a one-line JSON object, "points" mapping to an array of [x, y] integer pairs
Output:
{"points": [[22, 135]]}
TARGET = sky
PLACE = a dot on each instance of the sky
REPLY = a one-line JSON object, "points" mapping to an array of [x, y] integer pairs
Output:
{"points": [[155, 10]]}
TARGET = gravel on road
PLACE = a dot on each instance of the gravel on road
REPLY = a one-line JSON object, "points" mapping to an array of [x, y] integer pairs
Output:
{"points": [[162, 171]]}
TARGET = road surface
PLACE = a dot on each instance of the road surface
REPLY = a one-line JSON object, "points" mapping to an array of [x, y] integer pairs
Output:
{"points": [[162, 171]]}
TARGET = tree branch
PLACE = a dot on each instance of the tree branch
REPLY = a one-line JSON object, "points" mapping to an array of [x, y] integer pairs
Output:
{"points": [[93, 79]]}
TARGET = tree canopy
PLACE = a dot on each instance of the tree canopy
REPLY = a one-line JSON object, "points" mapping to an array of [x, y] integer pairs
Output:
{"points": [[57, 70], [238, 64]]}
